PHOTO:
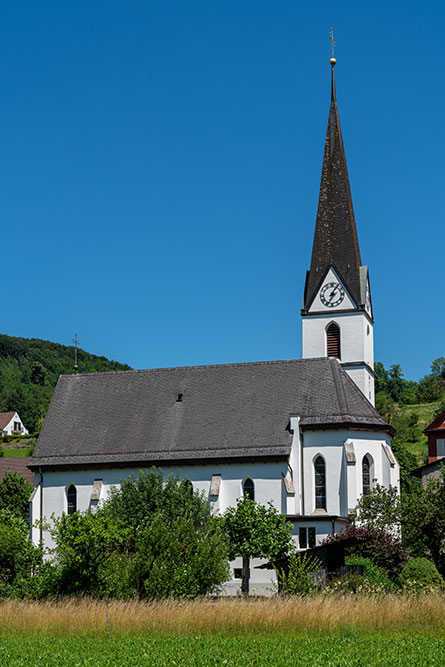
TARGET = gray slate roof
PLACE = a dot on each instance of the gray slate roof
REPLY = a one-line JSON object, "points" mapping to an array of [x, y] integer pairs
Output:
{"points": [[227, 412]]}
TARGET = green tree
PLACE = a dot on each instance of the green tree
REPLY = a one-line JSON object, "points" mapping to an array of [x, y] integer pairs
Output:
{"points": [[420, 513], [150, 539], [38, 373], [438, 368], [256, 531], [14, 494]]}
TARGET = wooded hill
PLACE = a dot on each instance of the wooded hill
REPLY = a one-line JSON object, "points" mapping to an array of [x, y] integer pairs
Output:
{"points": [[29, 370]]}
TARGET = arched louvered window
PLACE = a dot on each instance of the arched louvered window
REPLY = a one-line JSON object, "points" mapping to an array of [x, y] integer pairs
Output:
{"points": [[366, 475], [320, 483], [333, 341], [249, 489], [71, 495]]}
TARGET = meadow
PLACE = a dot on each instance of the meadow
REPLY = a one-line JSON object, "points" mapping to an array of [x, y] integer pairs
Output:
{"points": [[338, 630]]}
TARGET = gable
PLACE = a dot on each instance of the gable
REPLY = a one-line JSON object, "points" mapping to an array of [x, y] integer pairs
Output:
{"points": [[6, 418], [437, 424], [332, 294]]}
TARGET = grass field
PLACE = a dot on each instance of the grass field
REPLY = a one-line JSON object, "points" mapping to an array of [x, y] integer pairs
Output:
{"points": [[341, 649], [347, 630]]}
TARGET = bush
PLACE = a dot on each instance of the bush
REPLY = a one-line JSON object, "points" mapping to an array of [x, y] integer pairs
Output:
{"points": [[379, 546], [19, 558], [14, 494], [300, 577], [420, 574], [374, 576]]}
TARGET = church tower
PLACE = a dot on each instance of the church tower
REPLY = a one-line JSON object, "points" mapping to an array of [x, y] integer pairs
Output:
{"points": [[337, 309]]}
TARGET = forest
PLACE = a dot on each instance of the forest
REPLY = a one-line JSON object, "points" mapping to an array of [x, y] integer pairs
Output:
{"points": [[29, 370]]}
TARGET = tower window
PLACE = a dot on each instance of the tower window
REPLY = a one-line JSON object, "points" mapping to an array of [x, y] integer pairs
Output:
{"points": [[333, 341], [71, 496], [320, 483], [366, 475], [249, 489]]}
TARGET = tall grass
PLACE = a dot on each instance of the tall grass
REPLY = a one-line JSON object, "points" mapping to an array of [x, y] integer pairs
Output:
{"points": [[87, 618]]}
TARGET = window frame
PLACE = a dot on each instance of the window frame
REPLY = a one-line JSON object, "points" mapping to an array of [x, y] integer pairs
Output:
{"points": [[337, 342], [320, 498], [250, 492], [69, 499]]}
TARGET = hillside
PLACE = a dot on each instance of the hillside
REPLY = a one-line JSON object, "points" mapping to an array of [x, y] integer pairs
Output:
{"points": [[29, 370]]}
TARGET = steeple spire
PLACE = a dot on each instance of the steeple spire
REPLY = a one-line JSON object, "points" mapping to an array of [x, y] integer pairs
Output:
{"points": [[335, 238]]}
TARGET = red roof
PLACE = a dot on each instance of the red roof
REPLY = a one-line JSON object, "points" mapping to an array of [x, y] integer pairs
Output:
{"points": [[438, 424], [18, 465], [5, 418]]}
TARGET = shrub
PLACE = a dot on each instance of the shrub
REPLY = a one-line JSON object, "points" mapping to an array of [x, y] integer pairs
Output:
{"points": [[373, 575], [300, 577], [420, 574], [19, 558], [14, 494], [382, 548]]}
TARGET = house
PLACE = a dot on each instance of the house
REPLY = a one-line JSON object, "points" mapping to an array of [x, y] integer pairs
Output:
{"points": [[11, 424], [436, 438], [436, 451], [300, 433], [428, 471]]}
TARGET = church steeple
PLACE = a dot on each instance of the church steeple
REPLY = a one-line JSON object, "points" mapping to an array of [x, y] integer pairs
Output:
{"points": [[337, 310], [335, 238]]}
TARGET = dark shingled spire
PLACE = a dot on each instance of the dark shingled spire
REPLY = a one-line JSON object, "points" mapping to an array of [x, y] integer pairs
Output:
{"points": [[335, 238]]}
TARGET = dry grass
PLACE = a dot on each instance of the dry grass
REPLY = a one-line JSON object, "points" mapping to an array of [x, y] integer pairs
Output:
{"points": [[87, 618]]}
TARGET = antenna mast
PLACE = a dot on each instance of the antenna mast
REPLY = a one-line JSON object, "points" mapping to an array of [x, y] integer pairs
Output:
{"points": [[76, 348]]}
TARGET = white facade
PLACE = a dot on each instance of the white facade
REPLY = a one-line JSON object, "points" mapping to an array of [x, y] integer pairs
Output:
{"points": [[290, 487], [14, 425]]}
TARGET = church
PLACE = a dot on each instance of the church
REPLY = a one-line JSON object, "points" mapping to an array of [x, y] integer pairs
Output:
{"points": [[300, 433]]}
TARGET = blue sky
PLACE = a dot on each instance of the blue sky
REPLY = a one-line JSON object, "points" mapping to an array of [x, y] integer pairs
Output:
{"points": [[160, 165]]}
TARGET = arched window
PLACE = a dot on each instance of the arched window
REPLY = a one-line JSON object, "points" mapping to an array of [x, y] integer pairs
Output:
{"points": [[333, 341], [320, 483], [249, 489], [366, 475], [71, 495]]}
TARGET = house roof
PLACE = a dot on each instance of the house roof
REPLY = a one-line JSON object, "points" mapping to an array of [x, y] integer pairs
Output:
{"points": [[227, 412], [437, 425], [335, 237], [5, 418], [17, 465], [428, 468]]}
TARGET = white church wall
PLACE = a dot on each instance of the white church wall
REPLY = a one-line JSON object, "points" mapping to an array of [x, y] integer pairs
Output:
{"points": [[356, 344], [343, 480], [356, 340], [267, 478]]}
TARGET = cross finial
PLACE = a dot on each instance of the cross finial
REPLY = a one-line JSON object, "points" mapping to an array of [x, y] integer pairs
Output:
{"points": [[76, 347], [331, 37]]}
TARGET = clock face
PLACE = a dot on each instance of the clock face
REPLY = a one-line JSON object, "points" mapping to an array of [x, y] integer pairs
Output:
{"points": [[332, 295]]}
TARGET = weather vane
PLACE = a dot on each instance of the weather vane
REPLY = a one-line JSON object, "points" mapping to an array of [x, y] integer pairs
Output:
{"points": [[331, 37]]}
